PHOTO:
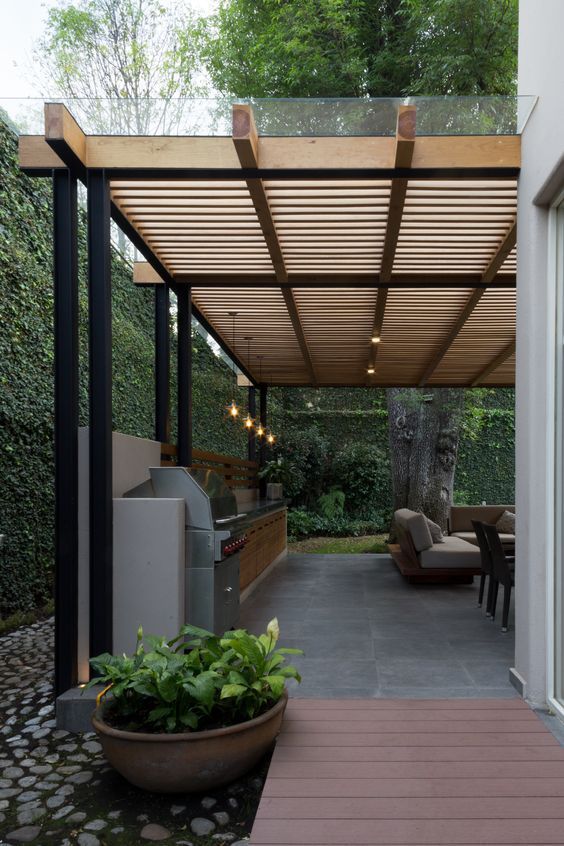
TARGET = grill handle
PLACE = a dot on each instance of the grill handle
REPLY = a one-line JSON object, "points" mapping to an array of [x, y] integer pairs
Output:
{"points": [[230, 519]]}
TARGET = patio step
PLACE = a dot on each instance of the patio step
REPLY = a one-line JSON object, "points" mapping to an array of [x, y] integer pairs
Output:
{"points": [[412, 772]]}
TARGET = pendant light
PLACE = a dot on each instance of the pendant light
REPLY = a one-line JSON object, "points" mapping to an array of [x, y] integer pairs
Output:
{"points": [[260, 431], [248, 422], [233, 408]]}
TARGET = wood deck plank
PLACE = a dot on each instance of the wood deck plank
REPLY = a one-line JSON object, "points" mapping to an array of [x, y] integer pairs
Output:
{"points": [[413, 773]]}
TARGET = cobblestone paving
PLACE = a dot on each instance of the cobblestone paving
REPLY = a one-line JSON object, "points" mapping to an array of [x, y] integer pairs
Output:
{"points": [[56, 787]]}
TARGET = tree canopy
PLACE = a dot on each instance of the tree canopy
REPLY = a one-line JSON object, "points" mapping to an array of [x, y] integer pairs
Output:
{"points": [[355, 48]]}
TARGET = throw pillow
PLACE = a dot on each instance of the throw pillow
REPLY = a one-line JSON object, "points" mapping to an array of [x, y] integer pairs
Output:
{"points": [[436, 531], [506, 523]]}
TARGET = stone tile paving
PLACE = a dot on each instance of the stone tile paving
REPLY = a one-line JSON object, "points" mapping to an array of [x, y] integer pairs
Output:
{"points": [[56, 788]]}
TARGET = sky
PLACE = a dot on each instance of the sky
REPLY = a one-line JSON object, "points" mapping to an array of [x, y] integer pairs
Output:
{"points": [[22, 25]]}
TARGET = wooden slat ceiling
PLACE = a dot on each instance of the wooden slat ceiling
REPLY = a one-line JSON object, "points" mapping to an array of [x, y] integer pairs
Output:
{"points": [[449, 230]]}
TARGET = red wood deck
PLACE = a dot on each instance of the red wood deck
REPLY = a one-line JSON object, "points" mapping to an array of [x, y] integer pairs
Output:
{"points": [[412, 772]]}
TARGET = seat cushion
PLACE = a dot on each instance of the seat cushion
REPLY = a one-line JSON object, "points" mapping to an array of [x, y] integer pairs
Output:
{"points": [[470, 537], [506, 523], [454, 554], [461, 516]]}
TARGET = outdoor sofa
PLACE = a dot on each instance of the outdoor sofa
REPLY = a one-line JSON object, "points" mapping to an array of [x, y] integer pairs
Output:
{"points": [[419, 559], [461, 516]]}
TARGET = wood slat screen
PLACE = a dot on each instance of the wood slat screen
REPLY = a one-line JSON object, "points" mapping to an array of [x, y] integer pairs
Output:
{"points": [[238, 472]]}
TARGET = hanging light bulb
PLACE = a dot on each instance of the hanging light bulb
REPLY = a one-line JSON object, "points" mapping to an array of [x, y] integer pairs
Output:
{"points": [[248, 422], [260, 431], [233, 409], [270, 438]]}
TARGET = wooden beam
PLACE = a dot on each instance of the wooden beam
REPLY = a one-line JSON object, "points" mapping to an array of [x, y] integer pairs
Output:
{"points": [[488, 277], [340, 280], [65, 137], [144, 274], [158, 157], [245, 139], [405, 143], [495, 363]]}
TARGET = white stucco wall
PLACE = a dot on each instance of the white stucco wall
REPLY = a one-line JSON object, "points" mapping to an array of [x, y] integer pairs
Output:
{"points": [[541, 72]]}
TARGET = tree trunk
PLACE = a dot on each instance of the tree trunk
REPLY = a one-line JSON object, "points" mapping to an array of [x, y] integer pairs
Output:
{"points": [[424, 432]]}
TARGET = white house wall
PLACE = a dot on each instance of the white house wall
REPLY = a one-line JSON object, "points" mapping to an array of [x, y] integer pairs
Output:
{"points": [[541, 72]]}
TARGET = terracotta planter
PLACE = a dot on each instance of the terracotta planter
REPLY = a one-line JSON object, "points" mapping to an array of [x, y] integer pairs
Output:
{"points": [[191, 762]]}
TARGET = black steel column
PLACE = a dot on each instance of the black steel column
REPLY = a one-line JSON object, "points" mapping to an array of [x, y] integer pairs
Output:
{"points": [[162, 364], [100, 334], [263, 419], [65, 251], [184, 424], [252, 444]]}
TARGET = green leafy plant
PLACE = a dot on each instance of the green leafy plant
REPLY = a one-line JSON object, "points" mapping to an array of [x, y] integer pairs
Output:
{"points": [[195, 681], [332, 503], [280, 470]]}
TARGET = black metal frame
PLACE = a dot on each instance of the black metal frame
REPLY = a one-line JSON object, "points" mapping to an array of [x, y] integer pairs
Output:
{"points": [[100, 358], [162, 364], [184, 370], [252, 408], [263, 415], [65, 273]]}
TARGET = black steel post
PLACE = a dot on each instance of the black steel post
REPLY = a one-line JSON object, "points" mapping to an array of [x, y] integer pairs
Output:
{"points": [[100, 334], [252, 443], [65, 271], [184, 368], [263, 396], [162, 364]]}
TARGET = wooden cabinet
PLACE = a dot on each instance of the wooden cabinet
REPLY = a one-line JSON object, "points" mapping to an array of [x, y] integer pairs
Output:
{"points": [[267, 540]]}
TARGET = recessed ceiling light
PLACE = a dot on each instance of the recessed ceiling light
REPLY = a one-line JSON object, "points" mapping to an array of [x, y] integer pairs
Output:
{"points": [[376, 339], [370, 370]]}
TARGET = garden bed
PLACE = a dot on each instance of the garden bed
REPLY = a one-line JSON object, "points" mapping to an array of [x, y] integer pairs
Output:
{"points": [[369, 544]]}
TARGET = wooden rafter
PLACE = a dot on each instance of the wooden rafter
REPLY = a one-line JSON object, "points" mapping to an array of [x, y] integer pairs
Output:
{"points": [[488, 276], [405, 142], [245, 139], [495, 363]]}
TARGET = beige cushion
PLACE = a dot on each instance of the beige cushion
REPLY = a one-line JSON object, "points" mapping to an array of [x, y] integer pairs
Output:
{"points": [[461, 516], [507, 540], [436, 531], [506, 523], [454, 553], [416, 525]]}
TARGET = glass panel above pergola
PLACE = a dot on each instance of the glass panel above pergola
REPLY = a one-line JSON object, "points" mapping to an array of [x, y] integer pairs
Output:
{"points": [[361, 242]]}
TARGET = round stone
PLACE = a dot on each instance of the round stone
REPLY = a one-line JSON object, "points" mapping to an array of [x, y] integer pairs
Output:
{"points": [[202, 827], [40, 769], [117, 830], [8, 792], [208, 802], [80, 778], [56, 801], [113, 815], [30, 815], [92, 746], [12, 772], [28, 796], [87, 839], [62, 812], [155, 832], [177, 809], [26, 834], [232, 802], [27, 781], [77, 817], [221, 817], [96, 825]]}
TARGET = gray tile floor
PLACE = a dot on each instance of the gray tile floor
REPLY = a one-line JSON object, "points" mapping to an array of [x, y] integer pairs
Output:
{"points": [[366, 632]]}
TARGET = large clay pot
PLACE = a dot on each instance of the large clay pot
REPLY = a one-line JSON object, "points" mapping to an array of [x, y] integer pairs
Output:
{"points": [[190, 762]]}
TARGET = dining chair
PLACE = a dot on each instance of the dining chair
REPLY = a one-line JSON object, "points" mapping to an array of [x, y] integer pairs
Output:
{"points": [[504, 572], [486, 564]]}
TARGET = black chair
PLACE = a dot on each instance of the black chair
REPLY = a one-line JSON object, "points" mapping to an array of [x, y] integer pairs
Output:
{"points": [[504, 572], [487, 567]]}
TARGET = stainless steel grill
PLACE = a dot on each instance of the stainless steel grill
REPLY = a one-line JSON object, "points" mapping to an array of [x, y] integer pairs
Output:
{"points": [[214, 534]]}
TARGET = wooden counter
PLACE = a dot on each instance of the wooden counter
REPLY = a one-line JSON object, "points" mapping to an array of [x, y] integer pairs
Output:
{"points": [[267, 540]]}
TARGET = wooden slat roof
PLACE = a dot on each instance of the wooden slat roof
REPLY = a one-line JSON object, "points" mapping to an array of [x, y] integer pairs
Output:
{"points": [[349, 261]]}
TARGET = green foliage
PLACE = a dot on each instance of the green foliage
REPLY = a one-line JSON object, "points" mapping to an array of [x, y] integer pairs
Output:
{"points": [[303, 524], [355, 48], [195, 681], [363, 470], [279, 470], [332, 503]]}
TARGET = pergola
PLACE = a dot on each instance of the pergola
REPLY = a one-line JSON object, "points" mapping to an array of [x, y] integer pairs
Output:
{"points": [[350, 259]]}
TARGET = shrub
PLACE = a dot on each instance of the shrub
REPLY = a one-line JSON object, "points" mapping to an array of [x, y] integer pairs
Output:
{"points": [[332, 504], [303, 524], [195, 681], [363, 471]]}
